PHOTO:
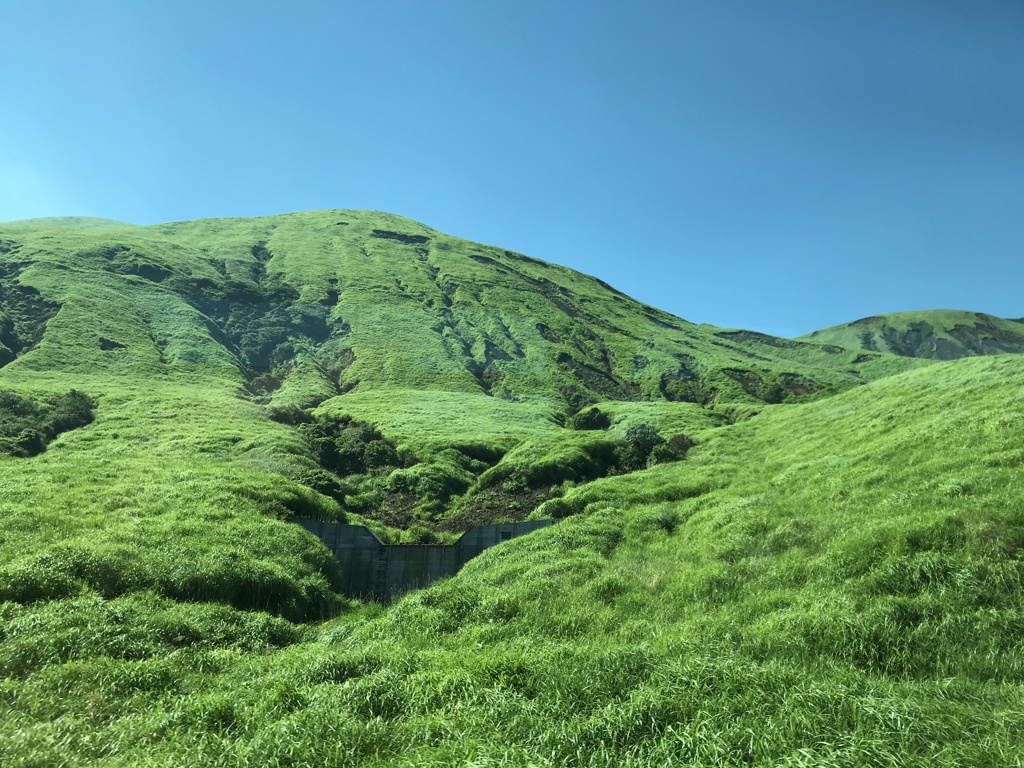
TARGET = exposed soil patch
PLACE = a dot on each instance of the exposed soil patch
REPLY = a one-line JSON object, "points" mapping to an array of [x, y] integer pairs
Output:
{"points": [[682, 384], [741, 352], [493, 504], [565, 306], [749, 380], [607, 287], [547, 334], [798, 385], [655, 317], [124, 260], [486, 372], [597, 380], [917, 341], [985, 337], [397, 511], [261, 320], [526, 259], [867, 340], [489, 262]]}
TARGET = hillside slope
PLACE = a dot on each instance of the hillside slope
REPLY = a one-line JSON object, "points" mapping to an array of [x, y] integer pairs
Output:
{"points": [[304, 307], [820, 563], [935, 335], [837, 583], [461, 363]]}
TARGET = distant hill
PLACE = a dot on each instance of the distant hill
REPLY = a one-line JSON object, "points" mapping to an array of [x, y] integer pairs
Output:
{"points": [[940, 334], [72, 222]]}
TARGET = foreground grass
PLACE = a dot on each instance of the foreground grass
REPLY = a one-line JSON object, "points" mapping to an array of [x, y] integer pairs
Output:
{"points": [[836, 583]]}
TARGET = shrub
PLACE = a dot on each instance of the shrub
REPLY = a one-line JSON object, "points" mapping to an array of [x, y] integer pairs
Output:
{"points": [[323, 482], [289, 414], [674, 450], [348, 456], [67, 412], [379, 454], [29, 442], [559, 508], [589, 419], [483, 452], [418, 534], [26, 428], [642, 438]]}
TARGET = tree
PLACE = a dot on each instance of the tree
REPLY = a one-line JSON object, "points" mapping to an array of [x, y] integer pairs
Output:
{"points": [[642, 438]]}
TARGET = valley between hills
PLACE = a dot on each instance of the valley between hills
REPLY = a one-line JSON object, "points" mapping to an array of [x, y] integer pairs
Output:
{"points": [[769, 551]]}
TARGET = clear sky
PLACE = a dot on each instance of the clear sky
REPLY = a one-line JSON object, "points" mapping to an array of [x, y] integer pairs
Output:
{"points": [[776, 165]]}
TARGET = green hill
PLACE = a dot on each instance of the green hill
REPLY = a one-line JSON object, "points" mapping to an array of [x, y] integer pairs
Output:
{"points": [[831, 575], [935, 335], [451, 352], [304, 307], [72, 222]]}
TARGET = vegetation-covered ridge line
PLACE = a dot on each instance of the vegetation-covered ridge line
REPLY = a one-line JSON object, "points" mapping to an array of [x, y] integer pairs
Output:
{"points": [[597, 344], [932, 334]]}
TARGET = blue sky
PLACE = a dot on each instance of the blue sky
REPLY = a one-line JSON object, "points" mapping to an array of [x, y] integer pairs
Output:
{"points": [[782, 166]]}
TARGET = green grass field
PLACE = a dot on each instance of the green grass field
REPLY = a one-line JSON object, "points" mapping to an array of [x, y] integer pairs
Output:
{"points": [[831, 577]]}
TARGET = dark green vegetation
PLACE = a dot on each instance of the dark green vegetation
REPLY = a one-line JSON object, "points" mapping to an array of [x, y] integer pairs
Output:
{"points": [[775, 552], [936, 335], [27, 427]]}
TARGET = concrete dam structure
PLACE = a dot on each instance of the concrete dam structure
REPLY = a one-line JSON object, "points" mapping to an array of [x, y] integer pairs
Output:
{"points": [[374, 570]]}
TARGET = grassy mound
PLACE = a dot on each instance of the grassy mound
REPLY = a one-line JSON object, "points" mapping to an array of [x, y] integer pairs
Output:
{"points": [[835, 583]]}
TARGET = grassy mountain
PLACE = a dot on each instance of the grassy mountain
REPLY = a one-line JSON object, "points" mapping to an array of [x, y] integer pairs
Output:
{"points": [[304, 307], [936, 335], [831, 575], [451, 352]]}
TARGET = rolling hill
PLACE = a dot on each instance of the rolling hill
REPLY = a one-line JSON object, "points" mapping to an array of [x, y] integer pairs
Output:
{"points": [[935, 335], [304, 307], [452, 352], [829, 571]]}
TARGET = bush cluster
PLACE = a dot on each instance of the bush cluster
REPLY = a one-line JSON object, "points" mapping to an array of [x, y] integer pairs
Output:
{"points": [[589, 419], [26, 427], [348, 447], [449, 473], [645, 447]]}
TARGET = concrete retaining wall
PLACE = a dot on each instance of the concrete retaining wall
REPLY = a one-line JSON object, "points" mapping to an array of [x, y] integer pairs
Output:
{"points": [[377, 571]]}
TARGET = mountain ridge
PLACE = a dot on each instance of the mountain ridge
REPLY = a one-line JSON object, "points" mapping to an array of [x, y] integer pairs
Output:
{"points": [[941, 334], [363, 318]]}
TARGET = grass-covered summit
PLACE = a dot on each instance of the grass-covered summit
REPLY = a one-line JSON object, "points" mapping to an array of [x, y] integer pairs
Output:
{"points": [[303, 307], [773, 552], [936, 334]]}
